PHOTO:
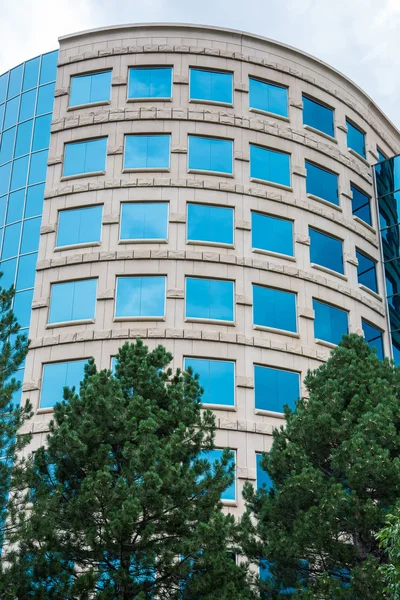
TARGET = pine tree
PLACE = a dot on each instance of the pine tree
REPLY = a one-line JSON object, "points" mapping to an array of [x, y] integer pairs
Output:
{"points": [[389, 539], [335, 474], [124, 503]]}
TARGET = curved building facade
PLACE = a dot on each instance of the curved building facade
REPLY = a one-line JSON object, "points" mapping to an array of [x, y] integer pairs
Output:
{"points": [[211, 191]]}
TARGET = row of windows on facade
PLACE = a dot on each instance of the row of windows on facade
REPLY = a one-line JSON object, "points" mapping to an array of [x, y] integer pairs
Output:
{"points": [[143, 297], [215, 155], [212, 87]]}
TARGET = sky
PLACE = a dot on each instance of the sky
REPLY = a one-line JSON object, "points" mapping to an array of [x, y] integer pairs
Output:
{"points": [[360, 38]]}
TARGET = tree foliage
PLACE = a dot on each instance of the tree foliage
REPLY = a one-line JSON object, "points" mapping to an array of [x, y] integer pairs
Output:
{"points": [[389, 539]]}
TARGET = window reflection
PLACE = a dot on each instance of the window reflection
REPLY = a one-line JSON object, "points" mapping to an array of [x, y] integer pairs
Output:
{"points": [[87, 89], [150, 82], [212, 456], [207, 223], [211, 86], [56, 376], [73, 301], [366, 271], [326, 250], [140, 297], [147, 152], [274, 308], [275, 388], [269, 165], [374, 337], [263, 480], [79, 225], [144, 221], [272, 234], [268, 97], [322, 183], [330, 323], [355, 138], [210, 154], [85, 157], [361, 204], [217, 378], [318, 116], [209, 299]]}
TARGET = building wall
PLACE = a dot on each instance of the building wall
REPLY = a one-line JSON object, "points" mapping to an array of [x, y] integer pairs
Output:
{"points": [[242, 428]]}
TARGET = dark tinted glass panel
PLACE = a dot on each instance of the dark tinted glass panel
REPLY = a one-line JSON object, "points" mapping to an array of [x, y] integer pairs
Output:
{"points": [[389, 210], [8, 268], [263, 479], [31, 74], [274, 308], [374, 337], [15, 81], [330, 323], [22, 307], [272, 234], [26, 271], [86, 89], [140, 297], [15, 206], [215, 455], [45, 99], [381, 155], [85, 157], [147, 151], [56, 376], [396, 347], [38, 168], [268, 97], [30, 235], [210, 154], [11, 240], [73, 301], [269, 165], [27, 107], [11, 113], [79, 226], [7, 145], [144, 221], [41, 133], [355, 139], [48, 67], [34, 200], [273, 388], [210, 224], [326, 250], [211, 86], [150, 82], [209, 299], [217, 378], [318, 116], [24, 138], [361, 205], [366, 271], [322, 183]]}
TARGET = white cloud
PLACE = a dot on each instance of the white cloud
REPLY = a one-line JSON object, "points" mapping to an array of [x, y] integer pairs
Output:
{"points": [[358, 37]]}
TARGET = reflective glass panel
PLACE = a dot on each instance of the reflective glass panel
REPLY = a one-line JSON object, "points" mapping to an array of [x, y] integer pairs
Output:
{"points": [[269, 165], [147, 151], [11, 113], [3, 87], [272, 234], [48, 67], [273, 388], [263, 479], [208, 223], [374, 337], [209, 299], [318, 116], [366, 271], [330, 323], [144, 221], [5, 171], [210, 154], [11, 240], [19, 173], [73, 301], [27, 107], [140, 297], [85, 157], [15, 206], [30, 235], [217, 378], [361, 205], [268, 97], [8, 268], [15, 81], [7, 145], [355, 138], [38, 168], [150, 82], [3, 203], [22, 307], [26, 271], [31, 74], [274, 308], [2, 108], [56, 376], [211, 86], [34, 200], [41, 133], [45, 99], [322, 183], [388, 176], [326, 251], [79, 225], [24, 137], [95, 87], [215, 455]]}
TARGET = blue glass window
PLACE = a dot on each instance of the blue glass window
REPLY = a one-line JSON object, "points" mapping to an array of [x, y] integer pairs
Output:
{"points": [[207, 223], [211, 86], [31, 74], [7, 145], [15, 206], [318, 116], [26, 271], [322, 183], [272, 234], [210, 154], [361, 205], [11, 240], [355, 138], [4, 178], [144, 221], [48, 67], [45, 99], [19, 173], [85, 157], [15, 81], [274, 308], [23, 307], [330, 323], [79, 225], [366, 271], [374, 337], [140, 297], [27, 107], [150, 82], [326, 251], [11, 113], [34, 200], [273, 388], [24, 137], [56, 376], [86, 89], [217, 378], [8, 268], [3, 87], [263, 479], [268, 97], [41, 133], [381, 155], [147, 152], [30, 235], [213, 456], [73, 301], [2, 106], [269, 165], [209, 299], [38, 168]]}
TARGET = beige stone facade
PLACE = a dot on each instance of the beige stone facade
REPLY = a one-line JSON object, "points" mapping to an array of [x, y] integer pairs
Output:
{"points": [[243, 428]]}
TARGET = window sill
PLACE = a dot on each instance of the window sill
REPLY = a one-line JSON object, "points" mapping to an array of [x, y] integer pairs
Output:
{"points": [[326, 202], [354, 153], [75, 246], [291, 334], [80, 175], [274, 254], [325, 343], [144, 241], [212, 173], [228, 407], [210, 321], [89, 105], [364, 288], [213, 244], [210, 102], [144, 170], [328, 271], [269, 413], [69, 323], [149, 99], [143, 319], [365, 224], [266, 113], [322, 133], [280, 186], [45, 411], [229, 502]]}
